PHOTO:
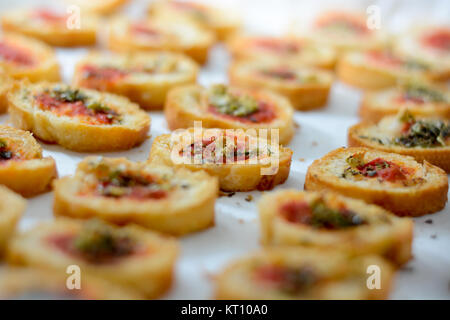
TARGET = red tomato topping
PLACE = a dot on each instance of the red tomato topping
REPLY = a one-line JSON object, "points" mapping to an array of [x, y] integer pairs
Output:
{"points": [[384, 58], [282, 46], [344, 20], [408, 98], [100, 77], [72, 109], [296, 212], [142, 29], [208, 149], [383, 169], [16, 55], [49, 16], [139, 192], [438, 39], [65, 243], [185, 5], [280, 73]]}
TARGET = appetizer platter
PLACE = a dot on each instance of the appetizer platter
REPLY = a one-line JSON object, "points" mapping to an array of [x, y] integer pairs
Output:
{"points": [[87, 155]]}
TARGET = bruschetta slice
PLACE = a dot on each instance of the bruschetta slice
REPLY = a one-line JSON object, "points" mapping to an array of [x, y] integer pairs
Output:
{"points": [[282, 49], [121, 192], [345, 31], [241, 161], [27, 58], [430, 44], [129, 256], [34, 284], [167, 34], [144, 78], [425, 139], [379, 69], [422, 99], [223, 23], [54, 27], [23, 169], [221, 106], [327, 220], [304, 273], [12, 207], [78, 119], [102, 7], [306, 88], [395, 182]]}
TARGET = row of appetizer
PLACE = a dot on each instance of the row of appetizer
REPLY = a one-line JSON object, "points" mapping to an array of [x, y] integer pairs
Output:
{"points": [[396, 164]]}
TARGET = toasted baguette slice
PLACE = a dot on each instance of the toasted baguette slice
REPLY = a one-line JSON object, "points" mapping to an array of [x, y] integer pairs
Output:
{"points": [[27, 58], [306, 88], [425, 139], [102, 7], [78, 119], [226, 107], [429, 44], [420, 98], [222, 22], [282, 49], [304, 273], [34, 284], [327, 220], [22, 167], [396, 182], [156, 197], [12, 207], [129, 256], [379, 69], [240, 161], [144, 78], [56, 28], [344, 31], [165, 34]]}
